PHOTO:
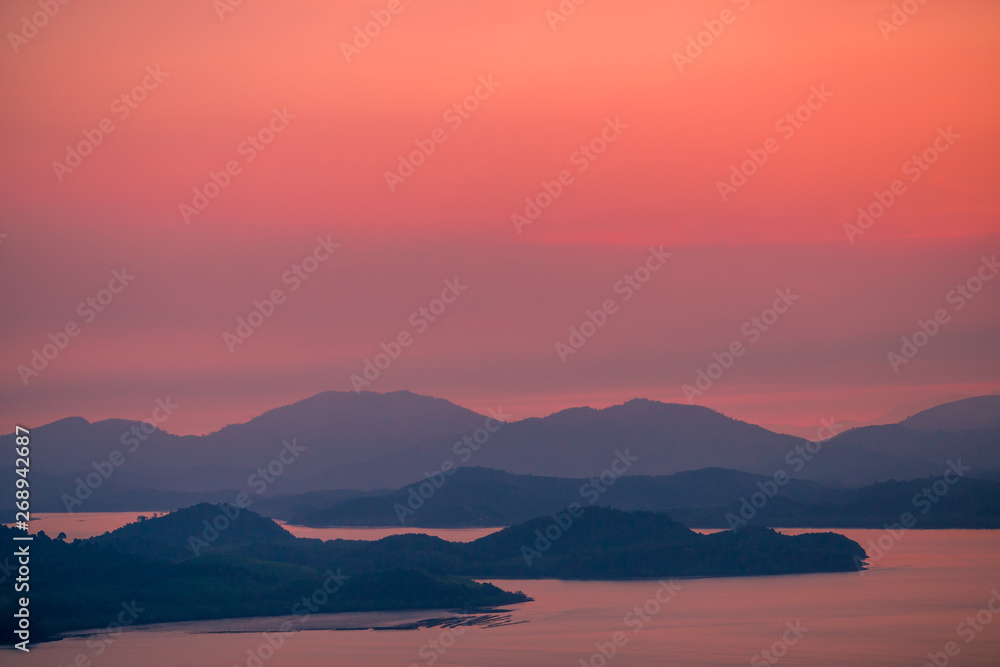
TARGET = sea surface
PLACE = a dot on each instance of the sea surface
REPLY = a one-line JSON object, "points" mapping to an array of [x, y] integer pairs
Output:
{"points": [[927, 592], [88, 524]]}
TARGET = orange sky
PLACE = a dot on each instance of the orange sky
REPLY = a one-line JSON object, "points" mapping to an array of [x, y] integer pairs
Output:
{"points": [[656, 183]]}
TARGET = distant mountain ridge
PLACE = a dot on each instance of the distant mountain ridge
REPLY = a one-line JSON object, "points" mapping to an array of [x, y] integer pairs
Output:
{"points": [[979, 413], [894, 416], [369, 441], [488, 497], [706, 498]]}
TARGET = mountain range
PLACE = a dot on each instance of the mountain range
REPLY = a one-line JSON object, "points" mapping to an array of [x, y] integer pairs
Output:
{"points": [[707, 498], [359, 444]]}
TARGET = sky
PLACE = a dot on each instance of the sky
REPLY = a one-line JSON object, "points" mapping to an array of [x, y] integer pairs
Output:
{"points": [[785, 211]]}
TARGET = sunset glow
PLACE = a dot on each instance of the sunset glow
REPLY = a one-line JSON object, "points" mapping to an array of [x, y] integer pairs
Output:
{"points": [[304, 131]]}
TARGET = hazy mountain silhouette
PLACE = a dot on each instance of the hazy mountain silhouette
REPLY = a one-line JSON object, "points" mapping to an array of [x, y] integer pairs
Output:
{"points": [[897, 451], [371, 441], [813, 431], [337, 429], [971, 503], [893, 416], [487, 497], [979, 413], [666, 438], [698, 498]]}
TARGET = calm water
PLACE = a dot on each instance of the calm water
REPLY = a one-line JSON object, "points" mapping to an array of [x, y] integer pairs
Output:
{"points": [[910, 603], [81, 524], [89, 524], [377, 533]]}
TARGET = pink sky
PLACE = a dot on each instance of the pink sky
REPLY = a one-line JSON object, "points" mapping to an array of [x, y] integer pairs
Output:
{"points": [[345, 125]]}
